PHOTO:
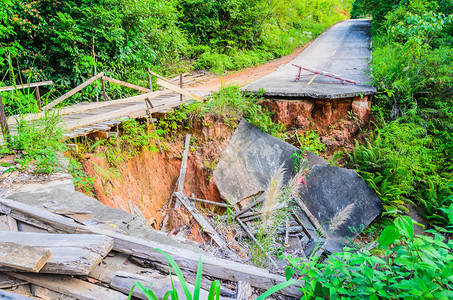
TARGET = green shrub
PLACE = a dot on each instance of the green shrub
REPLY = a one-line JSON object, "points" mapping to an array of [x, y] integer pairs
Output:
{"points": [[37, 143], [403, 267]]}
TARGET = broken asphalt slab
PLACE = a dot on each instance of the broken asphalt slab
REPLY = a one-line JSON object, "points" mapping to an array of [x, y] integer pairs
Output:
{"points": [[343, 49], [251, 159]]}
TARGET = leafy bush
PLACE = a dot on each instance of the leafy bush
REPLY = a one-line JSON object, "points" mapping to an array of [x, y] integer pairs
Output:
{"points": [[403, 267], [228, 105], [409, 157], [37, 143]]}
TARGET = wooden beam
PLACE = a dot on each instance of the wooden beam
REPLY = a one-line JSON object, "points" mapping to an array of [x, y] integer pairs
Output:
{"points": [[126, 84], [159, 76], [23, 257], [177, 89], [183, 169], [70, 254], [125, 112], [25, 86], [310, 216], [123, 282], [186, 259], [66, 285], [208, 202], [82, 108], [205, 225], [73, 91], [12, 296]]}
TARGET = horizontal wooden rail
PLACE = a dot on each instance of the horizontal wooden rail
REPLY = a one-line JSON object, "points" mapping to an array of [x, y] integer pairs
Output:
{"points": [[25, 86], [177, 89], [126, 84], [159, 76], [73, 91]]}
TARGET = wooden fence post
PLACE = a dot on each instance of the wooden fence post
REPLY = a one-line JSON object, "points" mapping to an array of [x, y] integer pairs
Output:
{"points": [[4, 121], [180, 85], [38, 97], [150, 80]]}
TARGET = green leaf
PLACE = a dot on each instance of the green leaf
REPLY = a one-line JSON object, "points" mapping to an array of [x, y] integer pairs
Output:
{"points": [[214, 290], [277, 288], [389, 236], [289, 272], [178, 273], [196, 293], [404, 224]]}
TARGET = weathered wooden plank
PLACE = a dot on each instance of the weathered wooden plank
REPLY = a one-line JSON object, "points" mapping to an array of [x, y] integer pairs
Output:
{"points": [[126, 84], [158, 76], [124, 281], [69, 261], [177, 89], [70, 286], [73, 91], [243, 291], [117, 114], [208, 202], [7, 223], [23, 257], [45, 293], [71, 254], [205, 225], [186, 260], [9, 281], [25, 86], [182, 172], [99, 244], [5, 295]]}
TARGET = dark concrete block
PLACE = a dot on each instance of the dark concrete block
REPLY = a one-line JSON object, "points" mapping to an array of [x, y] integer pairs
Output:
{"points": [[252, 158], [330, 189], [249, 162]]}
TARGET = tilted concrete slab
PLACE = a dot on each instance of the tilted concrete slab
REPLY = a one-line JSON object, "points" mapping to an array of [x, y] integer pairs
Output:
{"points": [[344, 49], [252, 158]]}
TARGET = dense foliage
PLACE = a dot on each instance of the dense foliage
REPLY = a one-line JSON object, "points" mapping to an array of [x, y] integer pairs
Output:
{"points": [[404, 266], [408, 158], [68, 40]]}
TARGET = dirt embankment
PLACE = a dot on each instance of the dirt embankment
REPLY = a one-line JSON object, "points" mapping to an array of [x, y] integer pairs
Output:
{"points": [[148, 179]]}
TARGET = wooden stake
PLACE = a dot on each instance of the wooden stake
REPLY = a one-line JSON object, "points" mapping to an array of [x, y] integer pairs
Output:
{"points": [[182, 173], [310, 216], [106, 97]]}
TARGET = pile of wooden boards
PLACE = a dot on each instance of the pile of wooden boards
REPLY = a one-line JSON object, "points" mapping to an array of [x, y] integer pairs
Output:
{"points": [[97, 273]]}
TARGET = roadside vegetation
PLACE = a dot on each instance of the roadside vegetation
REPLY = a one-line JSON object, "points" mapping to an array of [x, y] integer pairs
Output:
{"points": [[408, 157], [68, 41]]}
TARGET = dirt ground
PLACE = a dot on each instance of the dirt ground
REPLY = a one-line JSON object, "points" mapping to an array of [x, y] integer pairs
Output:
{"points": [[247, 75]]}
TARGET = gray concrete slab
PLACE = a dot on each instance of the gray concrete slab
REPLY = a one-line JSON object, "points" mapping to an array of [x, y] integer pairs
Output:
{"points": [[344, 49]]}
